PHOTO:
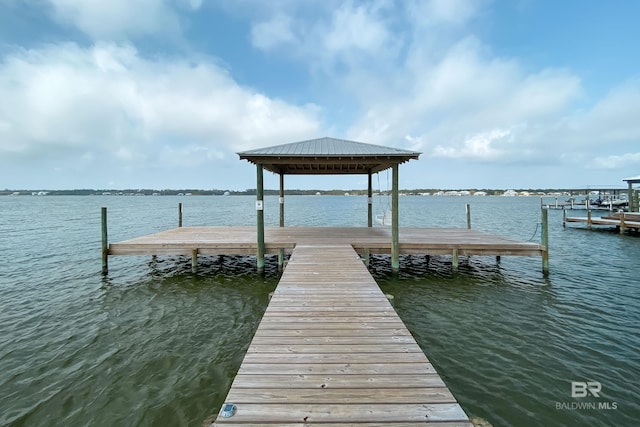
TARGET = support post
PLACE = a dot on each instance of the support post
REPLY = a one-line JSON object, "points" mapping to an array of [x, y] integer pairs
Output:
{"points": [[632, 197], [281, 203], [454, 260], [194, 260], [179, 214], [281, 199], [105, 244], [622, 225], [589, 218], [468, 216], [564, 217], [366, 256], [545, 241], [260, 218], [395, 236], [369, 201]]}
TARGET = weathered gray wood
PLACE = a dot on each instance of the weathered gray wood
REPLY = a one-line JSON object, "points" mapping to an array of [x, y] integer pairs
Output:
{"points": [[105, 242], [352, 413], [337, 395], [242, 241], [331, 349]]}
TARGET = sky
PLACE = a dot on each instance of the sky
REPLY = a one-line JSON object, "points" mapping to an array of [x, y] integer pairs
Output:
{"points": [[162, 94]]}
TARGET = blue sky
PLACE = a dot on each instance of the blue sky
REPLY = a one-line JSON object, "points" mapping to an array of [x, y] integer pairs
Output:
{"points": [[162, 93]]}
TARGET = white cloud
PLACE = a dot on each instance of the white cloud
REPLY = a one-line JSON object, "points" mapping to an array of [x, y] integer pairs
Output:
{"points": [[617, 162], [481, 146], [108, 102], [356, 28], [120, 19], [273, 33], [339, 35]]}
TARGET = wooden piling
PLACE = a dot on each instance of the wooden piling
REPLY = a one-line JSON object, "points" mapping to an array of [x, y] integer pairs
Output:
{"points": [[194, 260], [564, 217], [179, 214], [105, 243], [395, 235], [545, 241], [622, 225], [589, 218], [454, 260], [281, 203], [468, 207], [369, 201], [260, 218]]}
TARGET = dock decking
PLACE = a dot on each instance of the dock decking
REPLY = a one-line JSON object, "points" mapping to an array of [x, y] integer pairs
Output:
{"points": [[331, 350], [242, 241], [622, 220]]}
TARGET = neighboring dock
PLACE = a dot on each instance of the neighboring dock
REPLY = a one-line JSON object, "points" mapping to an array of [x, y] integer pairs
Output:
{"points": [[622, 221], [331, 350]]}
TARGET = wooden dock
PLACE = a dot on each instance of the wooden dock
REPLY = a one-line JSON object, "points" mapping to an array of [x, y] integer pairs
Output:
{"points": [[193, 241], [330, 350], [622, 220]]}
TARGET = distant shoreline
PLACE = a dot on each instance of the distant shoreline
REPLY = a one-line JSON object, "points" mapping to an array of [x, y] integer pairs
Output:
{"points": [[293, 192]]}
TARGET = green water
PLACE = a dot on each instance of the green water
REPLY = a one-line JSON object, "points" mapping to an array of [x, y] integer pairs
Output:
{"points": [[155, 344]]}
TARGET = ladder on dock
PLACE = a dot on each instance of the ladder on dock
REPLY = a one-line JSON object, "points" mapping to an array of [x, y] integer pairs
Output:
{"points": [[331, 350]]}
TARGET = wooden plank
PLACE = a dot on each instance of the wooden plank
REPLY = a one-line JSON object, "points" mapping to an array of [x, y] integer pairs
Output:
{"points": [[306, 381], [369, 368], [374, 424], [334, 348], [390, 358], [333, 333], [351, 413], [322, 325], [337, 395], [327, 340]]}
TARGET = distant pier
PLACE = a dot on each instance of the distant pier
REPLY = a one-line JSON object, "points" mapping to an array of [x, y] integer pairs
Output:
{"points": [[622, 221]]}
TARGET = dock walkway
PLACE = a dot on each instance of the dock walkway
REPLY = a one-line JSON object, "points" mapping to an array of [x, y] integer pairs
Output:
{"points": [[331, 350]]}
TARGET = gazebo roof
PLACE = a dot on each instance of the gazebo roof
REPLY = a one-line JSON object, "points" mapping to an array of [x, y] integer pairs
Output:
{"points": [[327, 156], [633, 179]]}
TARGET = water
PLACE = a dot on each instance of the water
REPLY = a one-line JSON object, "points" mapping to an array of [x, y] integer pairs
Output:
{"points": [[154, 344]]}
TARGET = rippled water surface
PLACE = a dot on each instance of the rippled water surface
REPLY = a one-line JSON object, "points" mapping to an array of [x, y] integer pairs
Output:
{"points": [[155, 344]]}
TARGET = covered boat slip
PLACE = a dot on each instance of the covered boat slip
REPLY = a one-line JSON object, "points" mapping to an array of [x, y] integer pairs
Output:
{"points": [[331, 350]]}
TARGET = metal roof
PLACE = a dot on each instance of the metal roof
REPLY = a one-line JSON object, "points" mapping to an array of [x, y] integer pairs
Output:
{"points": [[633, 179], [327, 156]]}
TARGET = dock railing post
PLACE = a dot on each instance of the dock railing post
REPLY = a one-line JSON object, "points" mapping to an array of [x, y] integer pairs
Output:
{"points": [[105, 244], [468, 207], [179, 214], [545, 241]]}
